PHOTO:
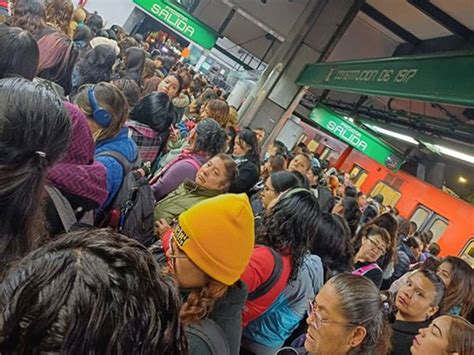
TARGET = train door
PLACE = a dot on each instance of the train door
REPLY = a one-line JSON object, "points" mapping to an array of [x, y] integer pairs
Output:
{"points": [[358, 175], [390, 195], [468, 252], [428, 220]]}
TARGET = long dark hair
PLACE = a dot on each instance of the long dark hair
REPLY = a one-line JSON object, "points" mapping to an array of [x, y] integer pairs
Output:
{"points": [[96, 65], [332, 243], [92, 291], [95, 23], [461, 288], [58, 57], [20, 53], [34, 131], [134, 64], [250, 138], [352, 213], [30, 15], [283, 180], [156, 111], [290, 225]]}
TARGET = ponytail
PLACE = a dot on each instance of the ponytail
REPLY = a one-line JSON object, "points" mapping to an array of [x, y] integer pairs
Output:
{"points": [[34, 131], [200, 302]]}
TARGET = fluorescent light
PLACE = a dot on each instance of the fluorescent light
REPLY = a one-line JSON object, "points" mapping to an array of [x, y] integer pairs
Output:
{"points": [[399, 136], [455, 154], [440, 149]]}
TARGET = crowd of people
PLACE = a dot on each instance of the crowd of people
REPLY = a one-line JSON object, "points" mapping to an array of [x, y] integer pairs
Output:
{"points": [[138, 217]]}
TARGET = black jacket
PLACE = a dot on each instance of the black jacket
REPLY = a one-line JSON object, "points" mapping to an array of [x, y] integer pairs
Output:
{"points": [[325, 198], [402, 265], [247, 177], [403, 334], [375, 275]]}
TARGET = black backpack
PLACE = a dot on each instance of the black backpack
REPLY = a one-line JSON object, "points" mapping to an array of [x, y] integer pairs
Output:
{"points": [[132, 211]]}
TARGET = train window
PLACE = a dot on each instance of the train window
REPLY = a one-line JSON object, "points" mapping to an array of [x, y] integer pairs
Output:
{"points": [[420, 216], [326, 153], [358, 175], [468, 253], [355, 171], [437, 228], [329, 154], [428, 220], [390, 195], [313, 145]]}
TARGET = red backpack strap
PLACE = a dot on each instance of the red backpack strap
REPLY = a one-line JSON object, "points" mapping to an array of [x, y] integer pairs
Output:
{"points": [[365, 269]]}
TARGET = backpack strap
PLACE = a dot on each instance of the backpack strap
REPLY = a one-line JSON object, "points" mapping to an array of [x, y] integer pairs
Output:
{"points": [[213, 335], [265, 287], [63, 207], [365, 269], [179, 158], [120, 158], [193, 162]]}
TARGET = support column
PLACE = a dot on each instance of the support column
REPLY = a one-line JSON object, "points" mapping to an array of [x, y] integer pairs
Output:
{"points": [[276, 95], [342, 158], [279, 60]]}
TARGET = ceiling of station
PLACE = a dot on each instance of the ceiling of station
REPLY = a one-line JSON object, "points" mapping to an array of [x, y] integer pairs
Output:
{"points": [[253, 20], [381, 29], [401, 12], [279, 15], [461, 10]]}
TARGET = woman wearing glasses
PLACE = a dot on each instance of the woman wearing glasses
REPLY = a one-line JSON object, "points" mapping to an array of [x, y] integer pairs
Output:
{"points": [[207, 252], [373, 244], [348, 316]]}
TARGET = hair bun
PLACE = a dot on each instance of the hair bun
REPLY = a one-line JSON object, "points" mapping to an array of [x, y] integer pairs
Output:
{"points": [[386, 304]]}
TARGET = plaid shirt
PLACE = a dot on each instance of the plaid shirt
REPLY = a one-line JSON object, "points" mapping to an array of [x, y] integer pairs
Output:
{"points": [[147, 140]]}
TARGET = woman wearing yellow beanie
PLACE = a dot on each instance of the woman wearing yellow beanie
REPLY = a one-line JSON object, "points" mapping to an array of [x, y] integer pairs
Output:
{"points": [[208, 251]]}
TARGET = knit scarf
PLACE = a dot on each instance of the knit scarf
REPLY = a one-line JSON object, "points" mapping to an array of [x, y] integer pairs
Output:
{"points": [[77, 173]]}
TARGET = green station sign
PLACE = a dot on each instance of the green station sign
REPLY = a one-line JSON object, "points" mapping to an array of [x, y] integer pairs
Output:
{"points": [[356, 137], [442, 78], [180, 21]]}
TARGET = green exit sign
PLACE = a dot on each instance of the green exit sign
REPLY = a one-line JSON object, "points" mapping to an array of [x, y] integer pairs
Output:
{"points": [[180, 21], [356, 137]]}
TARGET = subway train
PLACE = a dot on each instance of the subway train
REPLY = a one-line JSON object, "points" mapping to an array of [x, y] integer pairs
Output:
{"points": [[449, 218]]}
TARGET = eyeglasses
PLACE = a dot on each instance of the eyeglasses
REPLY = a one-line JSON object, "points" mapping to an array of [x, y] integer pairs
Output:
{"points": [[317, 319], [377, 246], [172, 254]]}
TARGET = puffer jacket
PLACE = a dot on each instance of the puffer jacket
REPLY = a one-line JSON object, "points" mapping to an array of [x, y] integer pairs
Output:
{"points": [[124, 145], [267, 333], [183, 198]]}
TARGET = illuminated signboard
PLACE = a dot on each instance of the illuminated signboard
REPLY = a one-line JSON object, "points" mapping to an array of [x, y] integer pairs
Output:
{"points": [[443, 78], [356, 137], [180, 21]]}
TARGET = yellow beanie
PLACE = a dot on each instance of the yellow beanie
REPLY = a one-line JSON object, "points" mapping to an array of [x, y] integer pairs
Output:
{"points": [[218, 236]]}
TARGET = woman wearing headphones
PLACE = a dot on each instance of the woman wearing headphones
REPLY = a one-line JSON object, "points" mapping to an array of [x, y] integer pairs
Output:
{"points": [[106, 110]]}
